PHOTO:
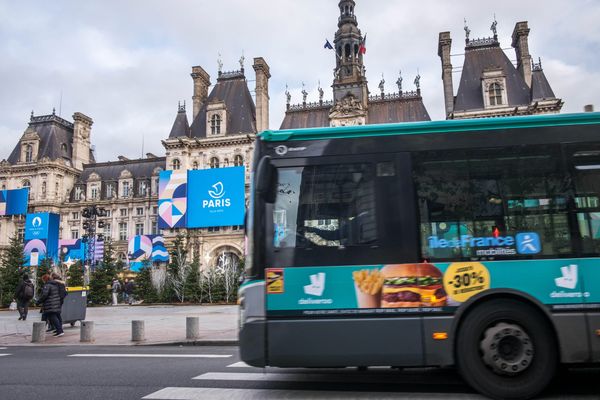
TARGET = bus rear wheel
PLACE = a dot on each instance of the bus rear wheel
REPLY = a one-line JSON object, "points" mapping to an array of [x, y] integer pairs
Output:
{"points": [[505, 349]]}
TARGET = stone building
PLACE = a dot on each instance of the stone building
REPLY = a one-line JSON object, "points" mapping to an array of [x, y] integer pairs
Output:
{"points": [[490, 85], [352, 102], [222, 133], [54, 159], [48, 159]]}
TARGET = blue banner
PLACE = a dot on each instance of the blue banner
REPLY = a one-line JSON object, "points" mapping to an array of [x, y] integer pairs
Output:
{"points": [[14, 202], [216, 197], [41, 237]]}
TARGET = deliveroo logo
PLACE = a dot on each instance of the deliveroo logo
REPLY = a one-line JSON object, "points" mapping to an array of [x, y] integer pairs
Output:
{"points": [[528, 243]]}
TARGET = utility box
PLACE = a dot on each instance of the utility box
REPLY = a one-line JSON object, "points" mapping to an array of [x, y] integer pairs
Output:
{"points": [[75, 305]]}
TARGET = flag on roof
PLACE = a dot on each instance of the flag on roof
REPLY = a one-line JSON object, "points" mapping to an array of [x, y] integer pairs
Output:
{"points": [[327, 45], [363, 45]]}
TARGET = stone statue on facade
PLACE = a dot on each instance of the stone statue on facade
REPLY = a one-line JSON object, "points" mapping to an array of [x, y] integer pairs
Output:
{"points": [[418, 81], [382, 86], [493, 27], [220, 64], [304, 93], [320, 93], [288, 96], [467, 32], [399, 82]]}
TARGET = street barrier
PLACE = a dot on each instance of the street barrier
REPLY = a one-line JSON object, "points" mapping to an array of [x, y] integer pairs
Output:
{"points": [[192, 327], [87, 332], [38, 335], [138, 331]]}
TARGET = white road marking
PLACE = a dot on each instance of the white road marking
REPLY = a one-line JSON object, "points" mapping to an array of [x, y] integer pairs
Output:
{"points": [[194, 393], [3, 348], [5, 354], [133, 355], [391, 378], [240, 364]]}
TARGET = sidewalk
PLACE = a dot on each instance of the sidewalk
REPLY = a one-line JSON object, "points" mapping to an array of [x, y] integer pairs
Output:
{"points": [[112, 325]]}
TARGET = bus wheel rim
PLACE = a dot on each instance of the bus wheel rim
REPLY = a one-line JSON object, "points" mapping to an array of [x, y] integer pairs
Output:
{"points": [[507, 349]]}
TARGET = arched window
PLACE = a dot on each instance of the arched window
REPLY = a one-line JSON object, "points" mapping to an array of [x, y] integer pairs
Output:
{"points": [[238, 160], [495, 94], [214, 162], [215, 124], [26, 183], [64, 149], [176, 164], [195, 165], [28, 153]]}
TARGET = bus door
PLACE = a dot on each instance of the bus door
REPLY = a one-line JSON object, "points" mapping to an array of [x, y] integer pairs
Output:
{"points": [[337, 221]]}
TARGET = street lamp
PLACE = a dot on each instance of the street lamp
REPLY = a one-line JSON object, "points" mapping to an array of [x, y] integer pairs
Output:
{"points": [[90, 215]]}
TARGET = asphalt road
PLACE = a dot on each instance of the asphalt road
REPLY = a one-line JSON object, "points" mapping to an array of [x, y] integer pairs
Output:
{"points": [[190, 373]]}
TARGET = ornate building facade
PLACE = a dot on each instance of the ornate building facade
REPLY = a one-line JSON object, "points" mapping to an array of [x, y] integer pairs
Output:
{"points": [[54, 159], [352, 102], [490, 85], [222, 133]]}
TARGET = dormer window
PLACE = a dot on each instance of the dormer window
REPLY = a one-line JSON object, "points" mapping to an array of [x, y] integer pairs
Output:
{"points": [[495, 94], [28, 153], [493, 88], [176, 164], [216, 119], [143, 191], [110, 191], [126, 189], [215, 124], [78, 193], [214, 162]]}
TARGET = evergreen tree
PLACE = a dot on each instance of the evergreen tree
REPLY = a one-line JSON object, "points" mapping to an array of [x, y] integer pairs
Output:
{"points": [[75, 275], [144, 289], [102, 276], [193, 287], [12, 268]]}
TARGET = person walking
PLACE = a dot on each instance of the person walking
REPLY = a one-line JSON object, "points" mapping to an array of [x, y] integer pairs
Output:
{"points": [[62, 292], [50, 301], [23, 295], [115, 289], [129, 289]]}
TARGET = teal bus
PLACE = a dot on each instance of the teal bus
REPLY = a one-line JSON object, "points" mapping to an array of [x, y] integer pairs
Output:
{"points": [[466, 243]]}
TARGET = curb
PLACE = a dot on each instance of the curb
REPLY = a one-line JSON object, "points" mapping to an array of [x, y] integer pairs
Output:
{"points": [[199, 342]]}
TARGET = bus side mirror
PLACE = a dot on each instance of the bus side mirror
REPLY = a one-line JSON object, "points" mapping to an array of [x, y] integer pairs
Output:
{"points": [[266, 180]]}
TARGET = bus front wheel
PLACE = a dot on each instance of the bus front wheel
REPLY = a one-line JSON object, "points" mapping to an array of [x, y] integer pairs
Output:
{"points": [[505, 349]]}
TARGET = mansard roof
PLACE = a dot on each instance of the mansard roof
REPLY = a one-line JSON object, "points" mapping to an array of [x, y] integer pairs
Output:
{"points": [[181, 126], [479, 57], [53, 132], [232, 90], [111, 171], [392, 108], [540, 88]]}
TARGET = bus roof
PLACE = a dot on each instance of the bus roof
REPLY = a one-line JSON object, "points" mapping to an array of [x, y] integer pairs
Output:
{"points": [[417, 128]]}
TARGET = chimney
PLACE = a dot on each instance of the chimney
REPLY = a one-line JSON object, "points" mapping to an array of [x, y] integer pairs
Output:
{"points": [[588, 108], [123, 158], [82, 130], [520, 43], [444, 47], [262, 70], [201, 85]]}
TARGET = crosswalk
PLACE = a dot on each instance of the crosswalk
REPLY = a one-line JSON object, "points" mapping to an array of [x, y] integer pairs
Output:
{"points": [[302, 385]]}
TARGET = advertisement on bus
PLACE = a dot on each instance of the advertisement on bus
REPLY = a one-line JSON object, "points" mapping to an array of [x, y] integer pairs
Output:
{"points": [[426, 287]]}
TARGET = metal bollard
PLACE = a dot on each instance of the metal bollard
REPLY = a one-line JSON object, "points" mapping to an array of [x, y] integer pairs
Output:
{"points": [[38, 335], [137, 331], [86, 334], [192, 327]]}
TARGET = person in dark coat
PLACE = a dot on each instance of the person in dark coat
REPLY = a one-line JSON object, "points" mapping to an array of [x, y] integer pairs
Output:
{"points": [[23, 295], [62, 291], [50, 301]]}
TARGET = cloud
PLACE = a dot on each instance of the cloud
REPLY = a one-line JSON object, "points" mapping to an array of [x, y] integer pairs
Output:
{"points": [[126, 64]]}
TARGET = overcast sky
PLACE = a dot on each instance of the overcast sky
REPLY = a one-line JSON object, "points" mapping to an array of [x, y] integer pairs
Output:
{"points": [[126, 64]]}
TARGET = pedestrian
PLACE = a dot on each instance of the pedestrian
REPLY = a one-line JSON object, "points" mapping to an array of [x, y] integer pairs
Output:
{"points": [[129, 289], [62, 290], [50, 301], [115, 289], [125, 296], [23, 295]]}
